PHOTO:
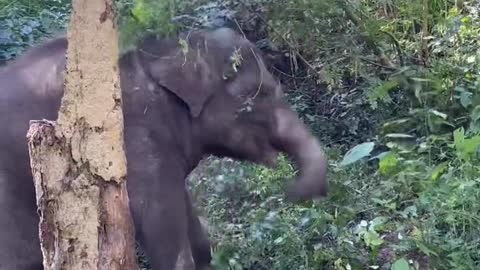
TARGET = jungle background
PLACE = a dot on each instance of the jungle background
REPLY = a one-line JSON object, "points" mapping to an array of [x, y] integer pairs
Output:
{"points": [[391, 88]]}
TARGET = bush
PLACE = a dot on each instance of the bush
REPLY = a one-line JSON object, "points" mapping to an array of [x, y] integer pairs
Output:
{"points": [[23, 23]]}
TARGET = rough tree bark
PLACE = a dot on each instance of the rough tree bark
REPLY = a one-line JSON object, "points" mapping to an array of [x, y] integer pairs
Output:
{"points": [[78, 163]]}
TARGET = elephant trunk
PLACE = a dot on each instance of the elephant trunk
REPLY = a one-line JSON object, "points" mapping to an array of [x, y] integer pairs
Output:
{"points": [[293, 137]]}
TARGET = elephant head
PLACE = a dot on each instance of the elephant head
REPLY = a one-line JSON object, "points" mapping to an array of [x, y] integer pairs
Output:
{"points": [[235, 104]]}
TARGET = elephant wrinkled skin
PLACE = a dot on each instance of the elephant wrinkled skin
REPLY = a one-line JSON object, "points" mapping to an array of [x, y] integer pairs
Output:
{"points": [[212, 97]]}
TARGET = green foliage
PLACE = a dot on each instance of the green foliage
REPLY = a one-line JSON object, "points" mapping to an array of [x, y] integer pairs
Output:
{"points": [[23, 23], [144, 17], [414, 202], [165, 18]]}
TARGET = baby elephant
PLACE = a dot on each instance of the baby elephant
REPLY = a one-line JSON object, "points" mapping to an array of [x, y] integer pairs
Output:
{"points": [[213, 97]]}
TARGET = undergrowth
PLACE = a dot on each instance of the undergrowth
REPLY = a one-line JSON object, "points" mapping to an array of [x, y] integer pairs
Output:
{"points": [[405, 211]]}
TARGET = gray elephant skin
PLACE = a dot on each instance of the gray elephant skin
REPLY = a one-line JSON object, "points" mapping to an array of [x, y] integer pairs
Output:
{"points": [[181, 103]]}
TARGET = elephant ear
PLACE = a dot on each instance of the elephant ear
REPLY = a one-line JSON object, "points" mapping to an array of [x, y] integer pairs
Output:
{"points": [[183, 68]]}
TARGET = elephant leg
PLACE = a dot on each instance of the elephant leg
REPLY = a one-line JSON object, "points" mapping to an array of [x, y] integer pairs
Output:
{"points": [[156, 188], [199, 242], [19, 242], [165, 229]]}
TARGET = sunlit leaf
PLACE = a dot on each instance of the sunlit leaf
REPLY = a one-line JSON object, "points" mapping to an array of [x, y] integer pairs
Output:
{"points": [[400, 136], [388, 163], [438, 171], [372, 239], [400, 264], [471, 59], [420, 79], [439, 114], [398, 125], [279, 240], [465, 147], [356, 153]]}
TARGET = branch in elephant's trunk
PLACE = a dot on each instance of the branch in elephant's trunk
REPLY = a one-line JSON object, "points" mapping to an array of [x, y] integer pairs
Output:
{"points": [[293, 137]]}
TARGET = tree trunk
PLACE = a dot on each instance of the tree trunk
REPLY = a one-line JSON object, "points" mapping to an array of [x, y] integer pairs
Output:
{"points": [[79, 163]]}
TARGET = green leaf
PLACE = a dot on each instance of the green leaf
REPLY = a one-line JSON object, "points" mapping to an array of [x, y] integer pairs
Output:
{"points": [[279, 240], [356, 153], [420, 79], [400, 264], [140, 12], [399, 136], [438, 171], [471, 59], [398, 125], [465, 97], [388, 163], [465, 147], [372, 239], [426, 250], [475, 115], [377, 223], [381, 92], [458, 136], [439, 114]]}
